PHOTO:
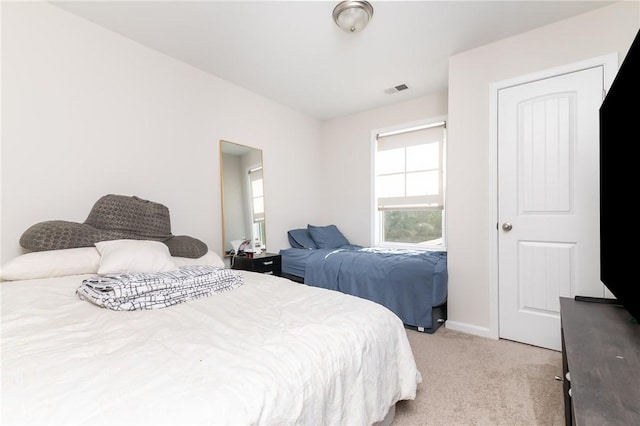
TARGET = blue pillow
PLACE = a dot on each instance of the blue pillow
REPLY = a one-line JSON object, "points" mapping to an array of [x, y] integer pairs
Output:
{"points": [[327, 236], [300, 238]]}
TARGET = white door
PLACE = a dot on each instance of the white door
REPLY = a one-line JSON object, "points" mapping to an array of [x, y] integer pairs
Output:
{"points": [[548, 202]]}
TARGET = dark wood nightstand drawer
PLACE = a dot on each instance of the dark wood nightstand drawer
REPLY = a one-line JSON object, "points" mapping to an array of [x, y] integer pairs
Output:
{"points": [[265, 263]]}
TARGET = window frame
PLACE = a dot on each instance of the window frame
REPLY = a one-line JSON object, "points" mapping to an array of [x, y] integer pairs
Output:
{"points": [[257, 220], [255, 174], [377, 225]]}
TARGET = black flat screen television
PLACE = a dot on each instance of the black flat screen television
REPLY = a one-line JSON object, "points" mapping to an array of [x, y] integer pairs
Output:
{"points": [[619, 175]]}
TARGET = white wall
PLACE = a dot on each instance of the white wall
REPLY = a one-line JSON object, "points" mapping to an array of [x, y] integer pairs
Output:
{"points": [[470, 224], [87, 112], [347, 157]]}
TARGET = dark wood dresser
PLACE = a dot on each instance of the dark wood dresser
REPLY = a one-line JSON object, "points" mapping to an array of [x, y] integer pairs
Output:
{"points": [[601, 364]]}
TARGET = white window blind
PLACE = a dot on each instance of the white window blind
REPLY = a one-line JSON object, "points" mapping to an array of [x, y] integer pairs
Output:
{"points": [[409, 169], [257, 195]]}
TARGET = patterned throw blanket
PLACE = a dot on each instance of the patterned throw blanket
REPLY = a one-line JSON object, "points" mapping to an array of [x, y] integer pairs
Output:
{"points": [[130, 292]]}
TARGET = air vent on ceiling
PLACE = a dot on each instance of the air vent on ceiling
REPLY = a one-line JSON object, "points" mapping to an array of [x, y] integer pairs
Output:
{"points": [[396, 89]]}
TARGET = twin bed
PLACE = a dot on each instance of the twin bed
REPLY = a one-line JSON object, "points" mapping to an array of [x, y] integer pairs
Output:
{"points": [[269, 351], [411, 283]]}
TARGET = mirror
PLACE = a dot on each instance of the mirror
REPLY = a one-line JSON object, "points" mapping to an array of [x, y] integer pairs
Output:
{"points": [[242, 199]]}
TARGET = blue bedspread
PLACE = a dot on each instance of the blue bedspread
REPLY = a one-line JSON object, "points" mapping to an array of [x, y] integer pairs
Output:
{"points": [[408, 282]]}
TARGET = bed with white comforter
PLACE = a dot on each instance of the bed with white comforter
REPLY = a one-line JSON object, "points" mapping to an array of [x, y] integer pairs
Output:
{"points": [[270, 352]]}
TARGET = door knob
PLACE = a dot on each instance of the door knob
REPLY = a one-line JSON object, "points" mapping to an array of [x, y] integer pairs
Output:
{"points": [[506, 226]]}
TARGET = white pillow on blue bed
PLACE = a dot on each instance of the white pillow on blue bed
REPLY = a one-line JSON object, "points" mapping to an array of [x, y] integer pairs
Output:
{"points": [[52, 263]]}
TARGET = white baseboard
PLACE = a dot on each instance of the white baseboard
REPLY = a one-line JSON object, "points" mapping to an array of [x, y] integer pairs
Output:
{"points": [[470, 329]]}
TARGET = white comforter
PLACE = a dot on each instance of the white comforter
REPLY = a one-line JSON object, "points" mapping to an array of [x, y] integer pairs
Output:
{"points": [[270, 352]]}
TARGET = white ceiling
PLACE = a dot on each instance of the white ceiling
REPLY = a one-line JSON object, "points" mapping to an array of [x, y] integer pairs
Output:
{"points": [[293, 53]]}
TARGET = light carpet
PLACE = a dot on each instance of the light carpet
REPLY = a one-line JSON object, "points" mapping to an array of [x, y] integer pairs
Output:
{"points": [[472, 380]]}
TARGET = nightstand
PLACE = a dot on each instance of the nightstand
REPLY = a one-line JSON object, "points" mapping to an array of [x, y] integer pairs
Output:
{"points": [[265, 263]]}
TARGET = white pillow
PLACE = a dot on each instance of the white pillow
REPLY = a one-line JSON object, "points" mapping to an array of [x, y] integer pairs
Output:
{"points": [[209, 259], [52, 263], [130, 256]]}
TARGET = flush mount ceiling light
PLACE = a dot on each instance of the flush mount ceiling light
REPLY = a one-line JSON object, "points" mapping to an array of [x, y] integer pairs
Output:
{"points": [[352, 16]]}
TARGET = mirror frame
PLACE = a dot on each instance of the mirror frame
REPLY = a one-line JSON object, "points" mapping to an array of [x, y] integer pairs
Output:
{"points": [[232, 148]]}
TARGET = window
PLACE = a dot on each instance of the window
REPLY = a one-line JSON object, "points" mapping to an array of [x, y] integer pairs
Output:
{"points": [[257, 202], [409, 186]]}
